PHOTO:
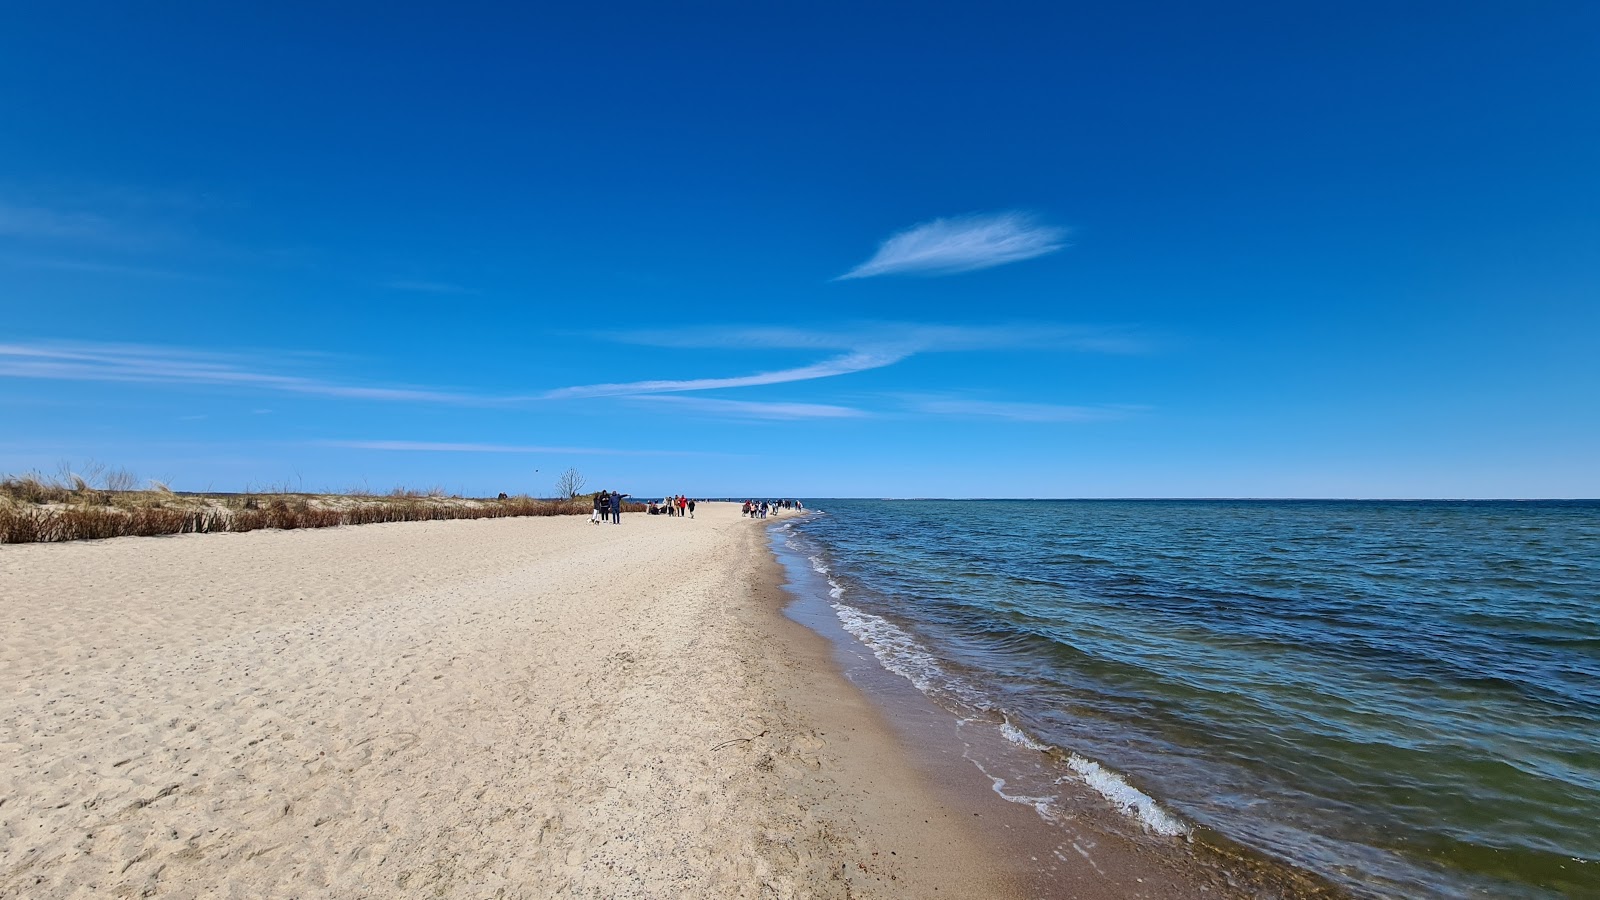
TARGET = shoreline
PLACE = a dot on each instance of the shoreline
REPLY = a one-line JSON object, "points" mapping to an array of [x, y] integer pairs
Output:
{"points": [[472, 708], [1093, 849]]}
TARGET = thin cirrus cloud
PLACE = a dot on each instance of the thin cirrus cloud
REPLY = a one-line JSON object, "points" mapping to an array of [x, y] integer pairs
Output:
{"points": [[961, 244], [755, 409], [138, 363], [31, 222], [62, 227], [903, 337], [446, 447], [871, 345], [95, 267], [427, 287], [851, 349], [145, 364], [859, 361], [959, 407]]}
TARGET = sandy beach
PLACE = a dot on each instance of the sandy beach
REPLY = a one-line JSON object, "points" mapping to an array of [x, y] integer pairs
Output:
{"points": [[517, 708], [500, 708]]}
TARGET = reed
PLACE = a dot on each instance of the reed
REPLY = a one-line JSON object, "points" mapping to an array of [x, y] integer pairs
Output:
{"points": [[36, 508]]}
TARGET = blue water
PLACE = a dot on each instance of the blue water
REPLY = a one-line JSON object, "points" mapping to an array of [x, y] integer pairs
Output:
{"points": [[1403, 697]]}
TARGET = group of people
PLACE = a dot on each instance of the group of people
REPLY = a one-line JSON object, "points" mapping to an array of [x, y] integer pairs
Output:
{"points": [[672, 506], [760, 509], [607, 505]]}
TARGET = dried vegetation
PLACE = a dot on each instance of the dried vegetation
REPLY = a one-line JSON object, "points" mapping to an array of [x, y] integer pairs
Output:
{"points": [[101, 502]]}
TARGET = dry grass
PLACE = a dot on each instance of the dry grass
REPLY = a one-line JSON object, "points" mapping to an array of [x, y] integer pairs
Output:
{"points": [[103, 504]]}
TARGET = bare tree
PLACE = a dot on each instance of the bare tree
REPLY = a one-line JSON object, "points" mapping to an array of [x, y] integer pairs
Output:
{"points": [[570, 484]]}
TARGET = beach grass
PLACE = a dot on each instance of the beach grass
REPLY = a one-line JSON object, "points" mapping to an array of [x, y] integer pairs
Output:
{"points": [[37, 508]]}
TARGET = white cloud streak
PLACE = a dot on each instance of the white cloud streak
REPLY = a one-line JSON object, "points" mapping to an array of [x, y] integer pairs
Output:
{"points": [[910, 337], [867, 346], [444, 447], [49, 224], [756, 409], [98, 268], [961, 244], [78, 228], [957, 407], [428, 287], [859, 361], [136, 363]]}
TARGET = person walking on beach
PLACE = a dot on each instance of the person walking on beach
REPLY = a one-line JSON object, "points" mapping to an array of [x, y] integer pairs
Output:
{"points": [[616, 507], [691, 509], [599, 506], [683, 504]]}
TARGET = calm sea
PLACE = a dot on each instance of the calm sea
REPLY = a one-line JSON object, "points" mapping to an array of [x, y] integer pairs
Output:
{"points": [[1401, 696]]}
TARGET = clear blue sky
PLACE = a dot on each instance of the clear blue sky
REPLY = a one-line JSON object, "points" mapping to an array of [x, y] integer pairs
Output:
{"points": [[1129, 249]]}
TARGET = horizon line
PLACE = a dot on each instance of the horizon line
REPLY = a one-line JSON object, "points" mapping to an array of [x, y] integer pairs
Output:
{"points": [[1231, 499]]}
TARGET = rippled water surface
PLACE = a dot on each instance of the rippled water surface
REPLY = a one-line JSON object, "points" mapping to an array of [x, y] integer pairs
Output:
{"points": [[1402, 696]]}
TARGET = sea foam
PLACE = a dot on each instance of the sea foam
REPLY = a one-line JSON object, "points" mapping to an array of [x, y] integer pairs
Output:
{"points": [[1126, 797]]}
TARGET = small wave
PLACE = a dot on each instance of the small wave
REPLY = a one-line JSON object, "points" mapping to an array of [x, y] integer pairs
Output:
{"points": [[1019, 737], [1044, 806], [895, 649], [1126, 797]]}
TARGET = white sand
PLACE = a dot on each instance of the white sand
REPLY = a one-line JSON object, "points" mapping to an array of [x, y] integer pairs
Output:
{"points": [[517, 708]]}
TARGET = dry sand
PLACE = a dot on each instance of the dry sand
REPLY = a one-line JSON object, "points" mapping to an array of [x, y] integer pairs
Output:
{"points": [[496, 708]]}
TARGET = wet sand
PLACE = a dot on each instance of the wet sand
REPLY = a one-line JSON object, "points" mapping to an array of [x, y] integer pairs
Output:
{"points": [[496, 708]]}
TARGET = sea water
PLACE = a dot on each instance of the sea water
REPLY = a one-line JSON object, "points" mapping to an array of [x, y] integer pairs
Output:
{"points": [[1402, 697]]}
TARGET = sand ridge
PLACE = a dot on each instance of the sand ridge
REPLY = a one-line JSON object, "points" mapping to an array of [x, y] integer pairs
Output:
{"points": [[497, 708]]}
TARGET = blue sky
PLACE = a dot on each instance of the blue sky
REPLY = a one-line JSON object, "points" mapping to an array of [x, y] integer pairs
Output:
{"points": [[1062, 249]]}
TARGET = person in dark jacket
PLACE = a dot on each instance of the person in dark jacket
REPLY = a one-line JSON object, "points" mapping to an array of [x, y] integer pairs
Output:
{"points": [[616, 507]]}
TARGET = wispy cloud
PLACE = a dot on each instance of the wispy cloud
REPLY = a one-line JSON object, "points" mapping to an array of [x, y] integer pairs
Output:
{"points": [[756, 409], [961, 407], [961, 244], [909, 337], [105, 232], [64, 226], [428, 287], [869, 345], [32, 222], [437, 447], [851, 349], [98, 268], [859, 361], [139, 363]]}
